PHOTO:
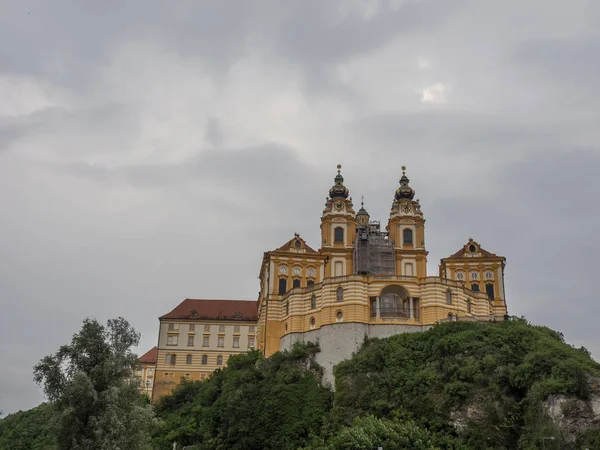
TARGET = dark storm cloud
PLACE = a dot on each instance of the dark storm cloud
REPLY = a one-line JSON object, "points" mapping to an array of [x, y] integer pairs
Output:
{"points": [[152, 151]]}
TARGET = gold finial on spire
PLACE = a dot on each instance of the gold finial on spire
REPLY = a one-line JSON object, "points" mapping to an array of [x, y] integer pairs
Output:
{"points": [[339, 168], [362, 201], [403, 170]]}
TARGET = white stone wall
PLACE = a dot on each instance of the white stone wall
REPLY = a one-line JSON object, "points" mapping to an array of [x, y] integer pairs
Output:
{"points": [[340, 341]]}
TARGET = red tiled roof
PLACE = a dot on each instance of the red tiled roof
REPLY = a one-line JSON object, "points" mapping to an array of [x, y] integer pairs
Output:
{"points": [[150, 356], [286, 247], [214, 309]]}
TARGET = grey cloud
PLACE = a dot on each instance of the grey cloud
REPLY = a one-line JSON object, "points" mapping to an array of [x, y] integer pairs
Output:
{"points": [[88, 229]]}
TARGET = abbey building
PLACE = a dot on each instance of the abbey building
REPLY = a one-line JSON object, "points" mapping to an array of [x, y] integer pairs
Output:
{"points": [[364, 280]]}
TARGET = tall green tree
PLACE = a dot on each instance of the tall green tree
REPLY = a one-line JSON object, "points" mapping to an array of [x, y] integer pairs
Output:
{"points": [[91, 384]]}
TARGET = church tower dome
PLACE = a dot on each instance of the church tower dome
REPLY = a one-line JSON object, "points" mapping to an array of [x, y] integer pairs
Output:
{"points": [[404, 191], [338, 190], [362, 216]]}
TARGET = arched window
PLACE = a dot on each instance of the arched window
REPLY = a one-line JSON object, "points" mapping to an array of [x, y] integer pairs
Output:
{"points": [[312, 322], [204, 360], [296, 283], [468, 306], [310, 283], [219, 360], [338, 234], [450, 316], [475, 287], [297, 244], [188, 359], [408, 236], [282, 286], [339, 294], [489, 289], [339, 316], [287, 308], [313, 302], [448, 297]]}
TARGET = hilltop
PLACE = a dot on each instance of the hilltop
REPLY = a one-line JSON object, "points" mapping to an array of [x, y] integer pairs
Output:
{"points": [[459, 385]]}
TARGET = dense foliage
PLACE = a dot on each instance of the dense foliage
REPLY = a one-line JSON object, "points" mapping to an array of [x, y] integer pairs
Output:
{"points": [[460, 385], [488, 381], [35, 429], [90, 383], [253, 403]]}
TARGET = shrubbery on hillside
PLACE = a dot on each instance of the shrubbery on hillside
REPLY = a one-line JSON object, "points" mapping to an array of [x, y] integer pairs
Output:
{"points": [[488, 381], [457, 386], [35, 429], [253, 403]]}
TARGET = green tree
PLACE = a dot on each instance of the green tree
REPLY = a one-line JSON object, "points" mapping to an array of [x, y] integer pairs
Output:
{"points": [[91, 384], [253, 403], [34, 429], [369, 433]]}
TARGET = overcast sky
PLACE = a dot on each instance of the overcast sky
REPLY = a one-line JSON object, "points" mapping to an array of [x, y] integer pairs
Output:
{"points": [[152, 151]]}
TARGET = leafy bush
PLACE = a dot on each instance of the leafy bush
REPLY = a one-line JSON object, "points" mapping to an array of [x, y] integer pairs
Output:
{"points": [[253, 403]]}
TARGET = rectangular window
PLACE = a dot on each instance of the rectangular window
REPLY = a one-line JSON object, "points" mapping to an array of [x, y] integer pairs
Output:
{"points": [[191, 341], [219, 360], [296, 283], [192, 327], [221, 342], [204, 359], [338, 235], [251, 342], [339, 268], [170, 358], [221, 328], [173, 326], [206, 327], [408, 269], [188, 359], [489, 289], [408, 236], [236, 329], [251, 329], [282, 286], [172, 340], [205, 341], [236, 342]]}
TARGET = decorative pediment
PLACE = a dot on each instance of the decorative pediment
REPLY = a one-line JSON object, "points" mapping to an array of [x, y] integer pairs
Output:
{"points": [[296, 245]]}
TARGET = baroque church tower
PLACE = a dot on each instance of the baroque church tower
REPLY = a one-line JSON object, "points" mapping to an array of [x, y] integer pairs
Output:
{"points": [[338, 229], [406, 228]]}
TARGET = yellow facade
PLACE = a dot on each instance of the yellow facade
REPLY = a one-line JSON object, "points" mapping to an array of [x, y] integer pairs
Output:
{"points": [[364, 280], [198, 337], [364, 275], [145, 371]]}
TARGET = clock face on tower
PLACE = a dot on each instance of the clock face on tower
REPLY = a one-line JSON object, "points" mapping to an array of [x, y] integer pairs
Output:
{"points": [[311, 272], [296, 270], [283, 270], [405, 207], [339, 205]]}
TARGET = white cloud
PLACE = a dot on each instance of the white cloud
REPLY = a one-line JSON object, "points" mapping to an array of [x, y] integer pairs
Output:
{"points": [[436, 93], [23, 95], [423, 63]]}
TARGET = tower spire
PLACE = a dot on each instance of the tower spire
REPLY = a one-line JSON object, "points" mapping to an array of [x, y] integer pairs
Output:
{"points": [[404, 191], [338, 190]]}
